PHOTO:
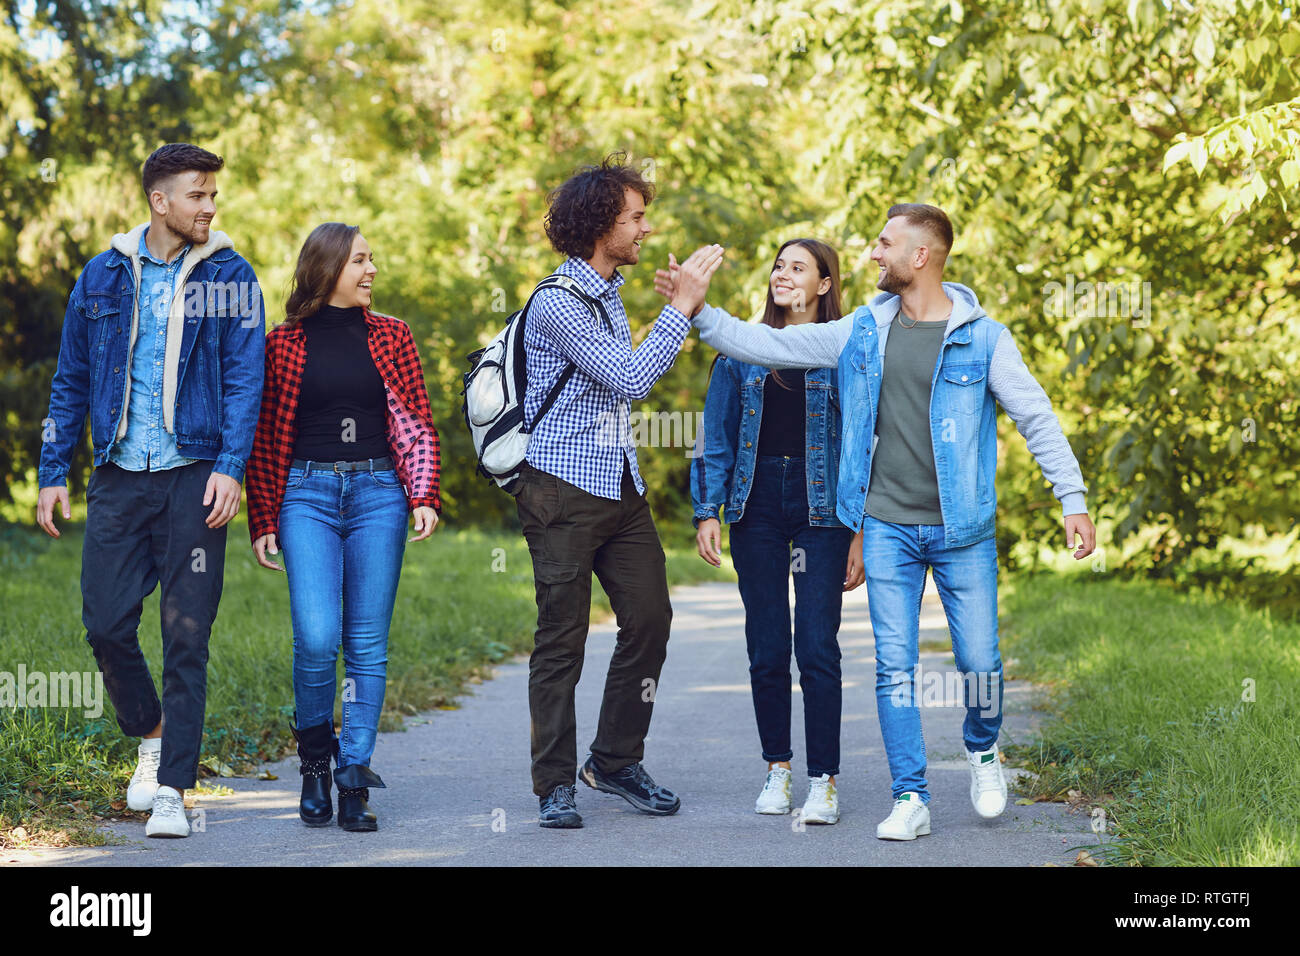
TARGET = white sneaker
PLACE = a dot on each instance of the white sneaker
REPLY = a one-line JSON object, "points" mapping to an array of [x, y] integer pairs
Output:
{"points": [[775, 795], [168, 817], [909, 819], [988, 787], [823, 804], [144, 782]]}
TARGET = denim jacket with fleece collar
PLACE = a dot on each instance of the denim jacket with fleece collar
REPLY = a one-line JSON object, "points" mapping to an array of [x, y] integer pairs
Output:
{"points": [[213, 363], [979, 368], [726, 449]]}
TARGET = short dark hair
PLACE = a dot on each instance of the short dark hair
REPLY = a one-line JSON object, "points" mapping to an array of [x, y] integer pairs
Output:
{"points": [[930, 218], [176, 158], [585, 206]]}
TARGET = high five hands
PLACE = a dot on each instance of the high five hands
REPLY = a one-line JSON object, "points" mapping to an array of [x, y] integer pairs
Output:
{"points": [[686, 284]]}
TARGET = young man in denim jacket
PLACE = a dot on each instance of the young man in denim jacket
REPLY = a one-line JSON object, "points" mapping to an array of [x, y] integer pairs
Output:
{"points": [[162, 346], [917, 469]]}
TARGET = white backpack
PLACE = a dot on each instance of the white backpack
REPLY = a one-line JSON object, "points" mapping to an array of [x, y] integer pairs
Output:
{"points": [[495, 387]]}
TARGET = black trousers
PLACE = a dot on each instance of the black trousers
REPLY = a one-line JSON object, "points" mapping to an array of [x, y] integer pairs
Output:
{"points": [[143, 528], [571, 534]]}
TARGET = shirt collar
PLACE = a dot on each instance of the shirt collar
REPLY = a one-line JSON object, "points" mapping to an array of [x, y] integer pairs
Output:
{"points": [[146, 254], [591, 280]]}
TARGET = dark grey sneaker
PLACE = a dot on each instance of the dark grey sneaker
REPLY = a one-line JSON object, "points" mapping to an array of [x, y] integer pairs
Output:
{"points": [[634, 785], [560, 809]]}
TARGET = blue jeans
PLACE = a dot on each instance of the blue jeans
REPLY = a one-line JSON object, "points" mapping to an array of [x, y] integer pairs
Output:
{"points": [[343, 536], [775, 519], [896, 557]]}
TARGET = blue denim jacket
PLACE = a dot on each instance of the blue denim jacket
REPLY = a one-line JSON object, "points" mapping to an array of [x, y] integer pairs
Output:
{"points": [[979, 368], [215, 355], [727, 447]]}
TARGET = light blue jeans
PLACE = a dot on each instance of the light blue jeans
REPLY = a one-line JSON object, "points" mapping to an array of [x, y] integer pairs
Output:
{"points": [[896, 557], [342, 537]]}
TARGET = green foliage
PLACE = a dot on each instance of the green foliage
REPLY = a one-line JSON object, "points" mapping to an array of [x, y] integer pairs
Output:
{"points": [[1165, 339], [1055, 132]]}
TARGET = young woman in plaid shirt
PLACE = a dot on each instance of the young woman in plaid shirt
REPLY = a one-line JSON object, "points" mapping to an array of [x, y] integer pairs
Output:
{"points": [[345, 449]]}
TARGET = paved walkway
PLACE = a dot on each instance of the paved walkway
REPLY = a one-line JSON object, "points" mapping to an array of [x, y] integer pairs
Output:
{"points": [[459, 789]]}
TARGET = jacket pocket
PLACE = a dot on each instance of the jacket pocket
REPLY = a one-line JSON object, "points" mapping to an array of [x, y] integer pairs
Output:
{"points": [[965, 373]]}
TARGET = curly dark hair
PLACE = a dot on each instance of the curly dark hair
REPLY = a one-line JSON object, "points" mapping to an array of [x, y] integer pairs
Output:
{"points": [[167, 161], [585, 206]]}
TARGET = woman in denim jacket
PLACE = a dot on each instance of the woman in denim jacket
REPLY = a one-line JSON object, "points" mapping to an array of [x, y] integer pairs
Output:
{"points": [[345, 453], [770, 457]]}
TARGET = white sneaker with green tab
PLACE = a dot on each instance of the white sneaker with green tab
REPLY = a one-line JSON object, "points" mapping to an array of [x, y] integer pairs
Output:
{"points": [[775, 796], [988, 787], [909, 819]]}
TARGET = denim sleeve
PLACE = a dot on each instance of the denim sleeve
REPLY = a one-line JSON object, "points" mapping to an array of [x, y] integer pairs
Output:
{"points": [[243, 357], [812, 345], [715, 448], [588, 343], [1024, 400], [69, 396]]}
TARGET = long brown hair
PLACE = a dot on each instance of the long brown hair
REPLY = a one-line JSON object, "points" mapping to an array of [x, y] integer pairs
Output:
{"points": [[828, 267], [320, 263], [828, 306]]}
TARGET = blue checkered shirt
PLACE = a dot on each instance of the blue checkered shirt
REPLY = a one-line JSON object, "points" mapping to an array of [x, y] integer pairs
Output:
{"points": [[585, 436]]}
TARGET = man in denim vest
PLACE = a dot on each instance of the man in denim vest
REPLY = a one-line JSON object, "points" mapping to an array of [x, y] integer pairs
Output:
{"points": [[922, 369], [162, 346]]}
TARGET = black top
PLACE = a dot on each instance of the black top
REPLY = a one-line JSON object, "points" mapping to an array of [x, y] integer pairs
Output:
{"points": [[785, 410], [342, 408]]}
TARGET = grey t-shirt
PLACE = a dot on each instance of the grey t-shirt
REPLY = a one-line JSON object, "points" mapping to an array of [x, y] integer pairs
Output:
{"points": [[904, 487]]}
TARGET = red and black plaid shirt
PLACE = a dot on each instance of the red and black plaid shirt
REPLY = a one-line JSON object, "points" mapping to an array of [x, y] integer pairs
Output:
{"points": [[411, 435]]}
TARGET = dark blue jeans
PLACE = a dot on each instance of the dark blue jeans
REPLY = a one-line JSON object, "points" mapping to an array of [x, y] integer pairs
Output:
{"points": [[144, 528], [343, 537], [772, 541]]}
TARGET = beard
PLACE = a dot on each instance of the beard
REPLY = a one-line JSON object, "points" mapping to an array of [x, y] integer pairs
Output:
{"points": [[892, 282], [629, 254], [190, 231]]}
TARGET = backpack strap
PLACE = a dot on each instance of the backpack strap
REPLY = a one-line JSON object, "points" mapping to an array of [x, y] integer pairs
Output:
{"points": [[557, 281]]}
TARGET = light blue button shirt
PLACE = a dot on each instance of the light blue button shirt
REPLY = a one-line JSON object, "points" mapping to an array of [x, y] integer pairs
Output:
{"points": [[147, 445]]}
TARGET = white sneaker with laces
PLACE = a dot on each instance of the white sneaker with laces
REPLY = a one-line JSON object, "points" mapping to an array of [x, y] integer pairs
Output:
{"points": [[823, 803], [988, 786], [909, 819], [168, 817], [144, 782], [775, 795]]}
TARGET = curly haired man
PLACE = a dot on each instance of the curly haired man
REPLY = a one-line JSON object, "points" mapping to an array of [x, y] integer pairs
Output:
{"points": [[581, 498]]}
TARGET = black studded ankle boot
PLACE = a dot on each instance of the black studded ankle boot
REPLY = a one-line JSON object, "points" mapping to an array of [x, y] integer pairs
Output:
{"points": [[317, 746], [354, 783]]}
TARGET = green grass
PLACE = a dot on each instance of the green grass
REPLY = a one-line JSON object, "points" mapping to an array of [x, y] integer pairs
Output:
{"points": [[465, 602], [1150, 695]]}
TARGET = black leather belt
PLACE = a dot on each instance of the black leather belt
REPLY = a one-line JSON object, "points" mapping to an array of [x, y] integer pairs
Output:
{"points": [[338, 467]]}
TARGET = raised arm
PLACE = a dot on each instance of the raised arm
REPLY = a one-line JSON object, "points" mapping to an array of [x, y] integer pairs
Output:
{"points": [[580, 337], [812, 345]]}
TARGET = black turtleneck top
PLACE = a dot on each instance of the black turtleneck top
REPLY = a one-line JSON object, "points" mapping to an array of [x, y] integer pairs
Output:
{"points": [[342, 409]]}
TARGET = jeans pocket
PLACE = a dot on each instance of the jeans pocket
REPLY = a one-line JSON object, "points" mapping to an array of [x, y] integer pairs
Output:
{"points": [[296, 477]]}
